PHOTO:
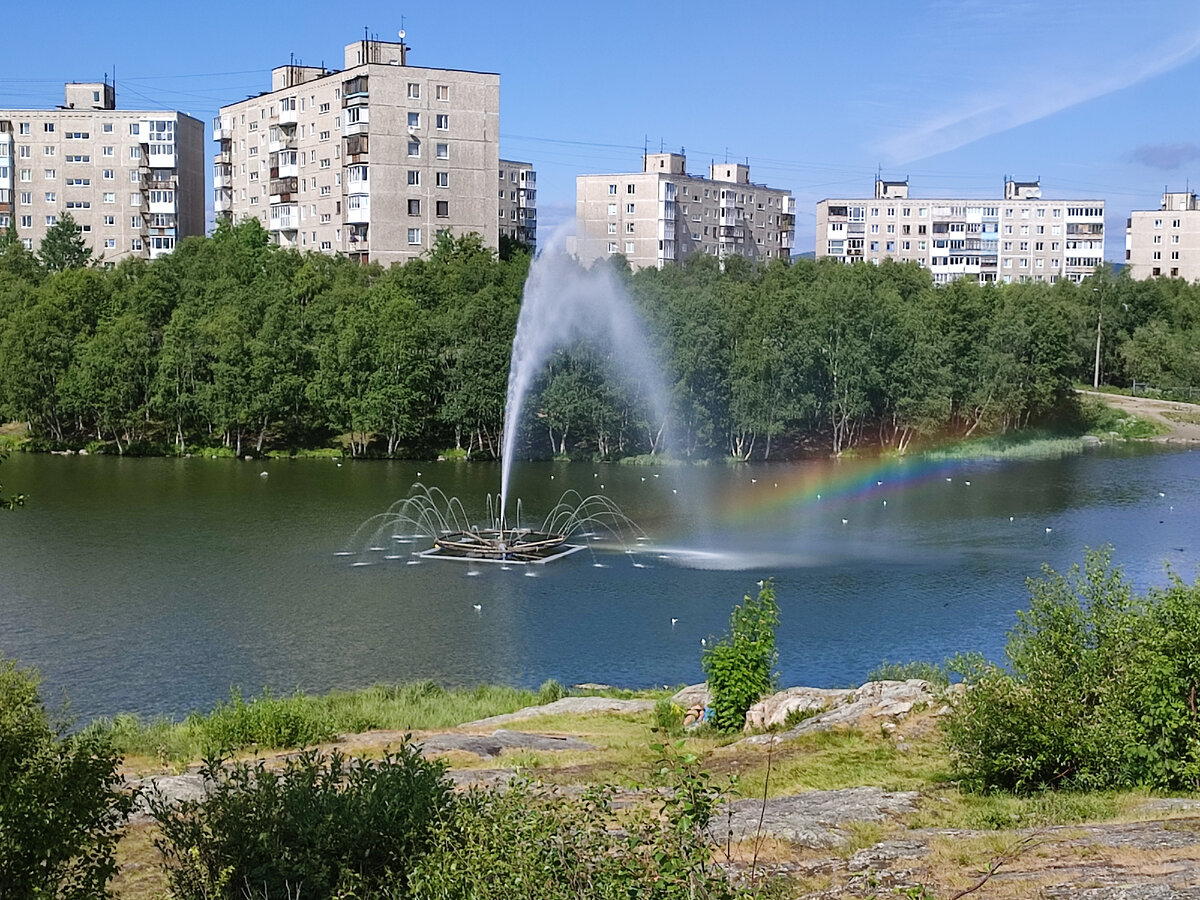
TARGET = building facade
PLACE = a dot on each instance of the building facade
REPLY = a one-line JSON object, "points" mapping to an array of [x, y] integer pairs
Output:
{"points": [[1165, 241], [518, 202], [373, 161], [1018, 238], [661, 215], [133, 180]]}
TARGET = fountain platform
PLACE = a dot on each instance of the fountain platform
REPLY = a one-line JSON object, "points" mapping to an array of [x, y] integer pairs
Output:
{"points": [[513, 546]]}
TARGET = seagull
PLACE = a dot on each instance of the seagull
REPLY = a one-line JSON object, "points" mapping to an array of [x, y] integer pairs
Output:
{"points": [[761, 582], [703, 643], [655, 474], [643, 478], [1048, 529], [1010, 518], [418, 474], [878, 483], [595, 474], [885, 503], [845, 521], [818, 496], [478, 607], [262, 474], [949, 479], [601, 487], [673, 621], [967, 483], [754, 481], [339, 465], [1161, 494], [674, 490]]}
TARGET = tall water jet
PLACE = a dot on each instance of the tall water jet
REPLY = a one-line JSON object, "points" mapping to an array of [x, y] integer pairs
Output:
{"points": [[564, 303]]}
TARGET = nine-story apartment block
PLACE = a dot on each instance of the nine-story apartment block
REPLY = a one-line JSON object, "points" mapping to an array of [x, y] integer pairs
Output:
{"points": [[518, 202], [373, 161], [1165, 241], [133, 180], [1022, 237], [662, 215]]}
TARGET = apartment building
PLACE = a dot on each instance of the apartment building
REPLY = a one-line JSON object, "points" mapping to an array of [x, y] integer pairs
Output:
{"points": [[1018, 238], [662, 214], [133, 180], [372, 161], [1165, 241], [518, 202]]}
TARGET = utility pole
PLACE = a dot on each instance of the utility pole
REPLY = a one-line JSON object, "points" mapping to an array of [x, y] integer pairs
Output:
{"points": [[1099, 319]]}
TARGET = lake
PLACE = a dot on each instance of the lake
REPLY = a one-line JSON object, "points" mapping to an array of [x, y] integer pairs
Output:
{"points": [[153, 585]]}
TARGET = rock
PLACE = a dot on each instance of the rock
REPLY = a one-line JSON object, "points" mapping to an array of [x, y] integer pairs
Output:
{"points": [[887, 700], [886, 852], [692, 695], [591, 686], [567, 706], [773, 711], [83, 452], [174, 789], [500, 740], [810, 819], [1090, 440]]}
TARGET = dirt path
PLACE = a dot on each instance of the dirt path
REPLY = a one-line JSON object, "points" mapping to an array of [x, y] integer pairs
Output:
{"points": [[1182, 418]]}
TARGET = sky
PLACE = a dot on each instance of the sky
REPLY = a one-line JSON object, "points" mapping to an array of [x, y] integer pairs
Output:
{"points": [[1096, 98]]}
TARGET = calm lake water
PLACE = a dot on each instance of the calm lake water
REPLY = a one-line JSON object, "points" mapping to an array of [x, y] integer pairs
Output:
{"points": [[154, 585]]}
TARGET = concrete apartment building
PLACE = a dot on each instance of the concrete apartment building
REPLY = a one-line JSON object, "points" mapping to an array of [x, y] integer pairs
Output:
{"points": [[372, 161], [1020, 237], [1165, 241], [518, 202], [662, 214], [133, 180]]}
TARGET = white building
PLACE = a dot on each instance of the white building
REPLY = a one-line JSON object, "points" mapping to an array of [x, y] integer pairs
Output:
{"points": [[662, 214], [518, 202], [1017, 238], [133, 180], [1165, 241]]}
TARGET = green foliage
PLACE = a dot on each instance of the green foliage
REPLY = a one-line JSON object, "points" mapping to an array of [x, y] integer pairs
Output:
{"points": [[63, 246], [62, 803], [527, 841], [668, 717], [934, 673], [1103, 420], [550, 691], [320, 825], [1100, 691], [739, 666]]}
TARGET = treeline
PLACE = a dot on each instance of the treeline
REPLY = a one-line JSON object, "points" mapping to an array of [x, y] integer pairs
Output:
{"points": [[230, 342]]}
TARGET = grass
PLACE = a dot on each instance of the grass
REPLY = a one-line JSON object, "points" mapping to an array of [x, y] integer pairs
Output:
{"points": [[270, 722], [1104, 421], [1027, 444], [1186, 418]]}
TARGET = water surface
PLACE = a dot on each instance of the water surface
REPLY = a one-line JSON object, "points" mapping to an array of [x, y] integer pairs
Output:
{"points": [[152, 585]]}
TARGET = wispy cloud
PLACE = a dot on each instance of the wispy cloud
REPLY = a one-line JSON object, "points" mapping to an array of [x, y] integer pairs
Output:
{"points": [[1165, 156], [1037, 95]]}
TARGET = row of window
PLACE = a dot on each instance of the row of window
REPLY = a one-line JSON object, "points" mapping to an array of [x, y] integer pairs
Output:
{"points": [[157, 127], [441, 207]]}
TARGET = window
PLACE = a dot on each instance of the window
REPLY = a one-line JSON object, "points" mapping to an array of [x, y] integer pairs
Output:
{"points": [[325, 164], [629, 228], [134, 177], [135, 152], [442, 179], [26, 221], [324, 107], [629, 208], [49, 151], [612, 227], [110, 243], [612, 247], [48, 127], [27, 174], [110, 220], [24, 152], [630, 188], [51, 220], [324, 136], [414, 176], [1158, 223], [79, 159], [414, 234], [414, 120], [629, 246], [612, 188], [414, 148], [135, 199], [414, 207], [443, 122], [612, 208], [442, 92], [50, 174], [24, 128], [27, 198], [443, 151], [443, 208], [51, 197], [414, 93], [134, 128], [135, 244]]}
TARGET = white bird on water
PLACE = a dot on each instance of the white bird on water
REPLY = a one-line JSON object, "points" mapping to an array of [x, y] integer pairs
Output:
{"points": [[754, 481], [262, 474], [845, 521], [703, 642], [478, 607], [673, 621], [1048, 529]]}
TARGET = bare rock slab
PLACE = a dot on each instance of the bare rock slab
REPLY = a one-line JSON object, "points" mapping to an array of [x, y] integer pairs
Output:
{"points": [[491, 745], [810, 819], [567, 706]]}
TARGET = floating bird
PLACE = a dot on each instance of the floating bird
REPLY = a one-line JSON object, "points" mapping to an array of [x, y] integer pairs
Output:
{"points": [[674, 490], [655, 474], [673, 620], [703, 642], [885, 503], [418, 474], [949, 479], [878, 483], [1010, 518], [643, 478], [339, 465], [818, 496], [478, 606], [601, 487], [1048, 529], [595, 474], [262, 474], [1161, 494], [777, 484], [845, 521], [967, 483], [754, 481]]}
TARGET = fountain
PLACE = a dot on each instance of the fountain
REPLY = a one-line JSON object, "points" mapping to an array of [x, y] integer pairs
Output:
{"points": [[562, 304]]}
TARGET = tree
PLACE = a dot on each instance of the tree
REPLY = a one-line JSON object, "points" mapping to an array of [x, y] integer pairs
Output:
{"points": [[62, 247], [62, 802], [739, 666]]}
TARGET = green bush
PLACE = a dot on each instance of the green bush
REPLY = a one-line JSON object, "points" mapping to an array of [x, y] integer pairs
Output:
{"points": [[528, 841], [1100, 692], [267, 721], [739, 666], [62, 803], [550, 691], [321, 824]]}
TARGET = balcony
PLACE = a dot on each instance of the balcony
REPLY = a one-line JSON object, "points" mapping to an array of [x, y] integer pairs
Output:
{"points": [[223, 201], [288, 167], [285, 217], [283, 190], [355, 121], [224, 158], [159, 204], [287, 111], [222, 128], [222, 177], [358, 209], [356, 148]]}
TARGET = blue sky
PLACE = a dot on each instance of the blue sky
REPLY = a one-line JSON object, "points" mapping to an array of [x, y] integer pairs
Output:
{"points": [[1098, 99]]}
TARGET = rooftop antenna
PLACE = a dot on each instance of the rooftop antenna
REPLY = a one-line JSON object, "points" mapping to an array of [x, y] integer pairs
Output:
{"points": [[661, 144], [403, 46], [726, 154]]}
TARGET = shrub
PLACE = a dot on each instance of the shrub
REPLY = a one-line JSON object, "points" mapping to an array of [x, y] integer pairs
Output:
{"points": [[668, 716], [61, 800], [739, 666], [916, 668], [319, 824], [550, 691], [267, 721], [1100, 691]]}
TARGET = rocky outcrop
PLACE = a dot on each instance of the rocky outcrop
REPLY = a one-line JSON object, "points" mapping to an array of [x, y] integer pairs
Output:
{"points": [[567, 706], [811, 819], [491, 745], [876, 702]]}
